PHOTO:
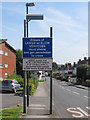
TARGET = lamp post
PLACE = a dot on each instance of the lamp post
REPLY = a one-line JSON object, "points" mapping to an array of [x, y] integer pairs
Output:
{"points": [[24, 91], [28, 18], [28, 5]]}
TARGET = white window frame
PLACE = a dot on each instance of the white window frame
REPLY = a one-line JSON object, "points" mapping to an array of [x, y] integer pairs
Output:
{"points": [[1, 52], [6, 53], [6, 65], [6, 74]]}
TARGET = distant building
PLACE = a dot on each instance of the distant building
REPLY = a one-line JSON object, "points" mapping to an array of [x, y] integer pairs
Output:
{"points": [[7, 59], [69, 69]]}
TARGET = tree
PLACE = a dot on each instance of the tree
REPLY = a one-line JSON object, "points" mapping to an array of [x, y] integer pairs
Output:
{"points": [[82, 72], [54, 66], [19, 62]]}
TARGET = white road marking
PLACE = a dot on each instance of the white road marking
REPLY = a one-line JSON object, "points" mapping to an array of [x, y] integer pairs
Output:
{"points": [[88, 108], [62, 87], [68, 90], [76, 93], [83, 111], [76, 113], [86, 96]]}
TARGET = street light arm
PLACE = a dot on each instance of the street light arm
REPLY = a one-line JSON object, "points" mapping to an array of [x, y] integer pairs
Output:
{"points": [[30, 4], [34, 17]]}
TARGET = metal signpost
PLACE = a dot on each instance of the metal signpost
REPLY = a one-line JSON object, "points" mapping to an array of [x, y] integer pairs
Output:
{"points": [[51, 79], [37, 56], [24, 91]]}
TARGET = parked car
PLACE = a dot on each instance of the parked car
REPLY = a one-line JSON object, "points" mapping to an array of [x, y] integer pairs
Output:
{"points": [[10, 85]]}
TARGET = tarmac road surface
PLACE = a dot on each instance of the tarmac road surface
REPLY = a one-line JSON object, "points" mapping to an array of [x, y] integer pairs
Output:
{"points": [[10, 99], [69, 100]]}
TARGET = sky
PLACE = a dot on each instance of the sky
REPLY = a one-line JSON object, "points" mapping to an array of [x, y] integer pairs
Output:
{"points": [[68, 19]]}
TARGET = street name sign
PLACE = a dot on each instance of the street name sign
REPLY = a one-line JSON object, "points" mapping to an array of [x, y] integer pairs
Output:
{"points": [[37, 47], [38, 64]]}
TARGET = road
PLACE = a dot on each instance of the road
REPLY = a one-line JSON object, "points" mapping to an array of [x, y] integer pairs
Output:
{"points": [[69, 100], [10, 99]]}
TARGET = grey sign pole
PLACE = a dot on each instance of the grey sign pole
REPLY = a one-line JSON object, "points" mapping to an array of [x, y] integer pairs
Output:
{"points": [[50, 81], [27, 88], [27, 72], [24, 91], [34, 78]]}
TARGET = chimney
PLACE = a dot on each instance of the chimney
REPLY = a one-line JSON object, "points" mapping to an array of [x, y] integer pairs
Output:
{"points": [[85, 58], [74, 64], [79, 62], [3, 40], [66, 65], [69, 65]]}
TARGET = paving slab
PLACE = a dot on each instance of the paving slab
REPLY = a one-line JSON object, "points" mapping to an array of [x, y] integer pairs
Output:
{"points": [[40, 104]]}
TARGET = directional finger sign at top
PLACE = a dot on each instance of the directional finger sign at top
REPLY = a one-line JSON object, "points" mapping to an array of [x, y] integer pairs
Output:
{"points": [[37, 47]]}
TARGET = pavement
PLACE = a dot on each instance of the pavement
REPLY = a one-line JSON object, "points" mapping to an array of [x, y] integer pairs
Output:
{"points": [[82, 87], [40, 104], [78, 86]]}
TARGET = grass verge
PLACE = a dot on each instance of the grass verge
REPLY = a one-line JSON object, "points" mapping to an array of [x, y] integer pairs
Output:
{"points": [[12, 113]]}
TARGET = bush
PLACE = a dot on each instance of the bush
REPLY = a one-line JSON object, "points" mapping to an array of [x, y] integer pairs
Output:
{"points": [[54, 74], [41, 81], [58, 77], [87, 80], [36, 83], [88, 83], [31, 89], [20, 81]]}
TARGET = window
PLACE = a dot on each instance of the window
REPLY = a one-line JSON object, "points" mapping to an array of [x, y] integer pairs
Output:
{"points": [[15, 82], [6, 65], [1, 52], [1, 65], [5, 73], [6, 53]]}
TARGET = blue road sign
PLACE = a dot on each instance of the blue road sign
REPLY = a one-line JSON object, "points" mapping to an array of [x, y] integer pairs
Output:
{"points": [[37, 47]]}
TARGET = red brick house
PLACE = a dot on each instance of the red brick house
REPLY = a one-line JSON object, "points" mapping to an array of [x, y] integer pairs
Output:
{"points": [[7, 59]]}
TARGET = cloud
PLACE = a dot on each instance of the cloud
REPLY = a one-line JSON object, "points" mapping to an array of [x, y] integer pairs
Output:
{"points": [[14, 8], [8, 28], [70, 35], [59, 17]]}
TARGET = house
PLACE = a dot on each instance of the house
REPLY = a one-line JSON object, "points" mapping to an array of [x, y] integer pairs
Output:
{"points": [[71, 69], [7, 59]]}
